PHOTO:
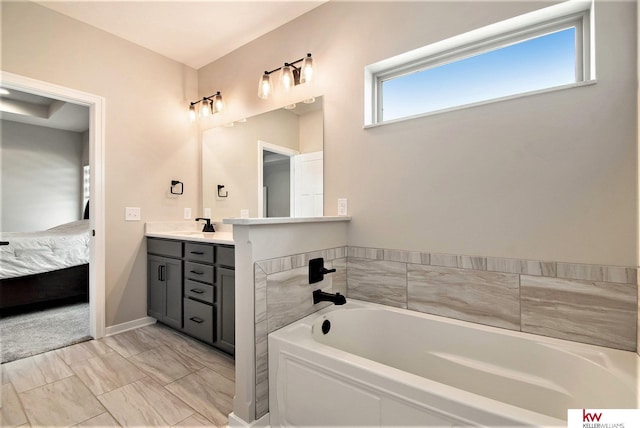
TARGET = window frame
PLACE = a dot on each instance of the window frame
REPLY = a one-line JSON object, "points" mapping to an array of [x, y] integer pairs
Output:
{"points": [[578, 14]]}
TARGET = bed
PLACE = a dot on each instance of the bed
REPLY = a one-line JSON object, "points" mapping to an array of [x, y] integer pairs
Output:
{"points": [[45, 267]]}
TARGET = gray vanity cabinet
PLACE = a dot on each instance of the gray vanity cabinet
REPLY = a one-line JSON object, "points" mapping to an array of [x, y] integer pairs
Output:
{"points": [[192, 288], [164, 286], [226, 295]]}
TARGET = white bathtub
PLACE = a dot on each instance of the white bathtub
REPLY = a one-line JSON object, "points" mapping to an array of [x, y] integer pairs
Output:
{"points": [[381, 366]]}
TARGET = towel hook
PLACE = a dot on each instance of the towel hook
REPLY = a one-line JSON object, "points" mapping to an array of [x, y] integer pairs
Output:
{"points": [[220, 187], [175, 183]]}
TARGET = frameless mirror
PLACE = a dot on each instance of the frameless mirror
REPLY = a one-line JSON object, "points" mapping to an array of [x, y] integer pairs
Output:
{"points": [[269, 165]]}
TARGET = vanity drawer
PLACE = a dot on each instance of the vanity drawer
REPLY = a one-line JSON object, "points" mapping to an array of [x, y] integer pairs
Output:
{"points": [[198, 320], [199, 291], [198, 252], [199, 272], [164, 247], [225, 255]]}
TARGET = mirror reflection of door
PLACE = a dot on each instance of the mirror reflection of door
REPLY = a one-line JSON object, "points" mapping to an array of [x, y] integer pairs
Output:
{"points": [[276, 184], [307, 184]]}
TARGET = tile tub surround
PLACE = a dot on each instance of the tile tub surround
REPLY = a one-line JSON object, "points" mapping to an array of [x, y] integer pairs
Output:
{"points": [[282, 296], [585, 303], [600, 302]]}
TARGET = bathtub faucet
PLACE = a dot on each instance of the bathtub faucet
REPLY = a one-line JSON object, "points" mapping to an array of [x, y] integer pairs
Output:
{"points": [[321, 296]]}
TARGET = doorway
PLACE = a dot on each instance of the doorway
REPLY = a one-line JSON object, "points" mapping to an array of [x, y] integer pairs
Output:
{"points": [[96, 106]]}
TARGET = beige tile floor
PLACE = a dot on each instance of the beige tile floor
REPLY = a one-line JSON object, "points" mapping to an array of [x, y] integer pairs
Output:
{"points": [[148, 377]]}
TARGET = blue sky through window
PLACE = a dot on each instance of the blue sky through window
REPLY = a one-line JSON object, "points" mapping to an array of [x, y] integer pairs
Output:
{"points": [[539, 63]]}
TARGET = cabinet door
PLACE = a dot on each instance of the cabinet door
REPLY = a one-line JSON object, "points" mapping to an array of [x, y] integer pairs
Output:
{"points": [[173, 305], [156, 287], [226, 314]]}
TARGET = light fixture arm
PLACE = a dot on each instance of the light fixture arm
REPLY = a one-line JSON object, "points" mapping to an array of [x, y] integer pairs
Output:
{"points": [[288, 64]]}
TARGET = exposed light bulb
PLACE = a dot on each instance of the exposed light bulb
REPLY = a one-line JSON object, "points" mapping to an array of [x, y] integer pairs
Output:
{"points": [[290, 106], [217, 103], [306, 70], [205, 108], [287, 77], [192, 113], [264, 86]]}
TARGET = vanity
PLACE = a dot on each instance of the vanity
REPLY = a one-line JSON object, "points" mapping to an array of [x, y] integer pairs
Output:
{"points": [[191, 283]]}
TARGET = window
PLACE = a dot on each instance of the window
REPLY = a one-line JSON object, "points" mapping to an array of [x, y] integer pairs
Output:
{"points": [[542, 50]]}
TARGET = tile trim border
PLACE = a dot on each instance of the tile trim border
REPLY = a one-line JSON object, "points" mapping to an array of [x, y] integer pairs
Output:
{"points": [[552, 269]]}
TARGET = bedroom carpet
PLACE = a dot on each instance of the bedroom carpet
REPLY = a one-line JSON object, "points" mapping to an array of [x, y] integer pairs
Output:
{"points": [[41, 331]]}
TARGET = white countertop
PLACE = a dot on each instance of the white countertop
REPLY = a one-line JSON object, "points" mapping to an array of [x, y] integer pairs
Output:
{"points": [[283, 220], [189, 231]]}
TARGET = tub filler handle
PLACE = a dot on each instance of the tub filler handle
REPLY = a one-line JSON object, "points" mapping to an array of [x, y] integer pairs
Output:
{"points": [[317, 271]]}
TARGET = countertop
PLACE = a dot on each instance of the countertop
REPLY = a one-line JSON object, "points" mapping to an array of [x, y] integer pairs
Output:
{"points": [[189, 231], [284, 220]]}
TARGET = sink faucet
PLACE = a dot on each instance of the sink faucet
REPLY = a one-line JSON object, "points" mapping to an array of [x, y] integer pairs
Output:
{"points": [[321, 296], [207, 227]]}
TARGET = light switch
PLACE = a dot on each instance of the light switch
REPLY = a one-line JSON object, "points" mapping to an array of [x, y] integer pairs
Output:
{"points": [[207, 213], [187, 213], [244, 213], [132, 214]]}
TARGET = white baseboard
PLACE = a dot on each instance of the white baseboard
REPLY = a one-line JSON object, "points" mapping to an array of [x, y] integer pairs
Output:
{"points": [[236, 422], [129, 325]]}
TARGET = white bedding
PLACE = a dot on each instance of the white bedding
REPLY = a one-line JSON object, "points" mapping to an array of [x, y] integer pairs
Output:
{"points": [[29, 253]]}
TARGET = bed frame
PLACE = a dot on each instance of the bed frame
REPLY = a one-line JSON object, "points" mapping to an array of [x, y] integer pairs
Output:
{"points": [[44, 289]]}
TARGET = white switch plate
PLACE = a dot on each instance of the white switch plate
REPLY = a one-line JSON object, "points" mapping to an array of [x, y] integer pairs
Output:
{"points": [[244, 213], [187, 213], [342, 206], [207, 213], [132, 214]]}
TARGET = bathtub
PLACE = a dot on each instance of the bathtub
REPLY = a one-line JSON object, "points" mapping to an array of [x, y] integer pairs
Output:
{"points": [[379, 366]]}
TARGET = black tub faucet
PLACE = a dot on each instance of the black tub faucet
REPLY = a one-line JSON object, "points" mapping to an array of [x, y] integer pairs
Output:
{"points": [[207, 227], [321, 296]]}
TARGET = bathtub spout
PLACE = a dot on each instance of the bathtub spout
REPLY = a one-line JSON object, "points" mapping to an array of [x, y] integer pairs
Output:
{"points": [[321, 296]]}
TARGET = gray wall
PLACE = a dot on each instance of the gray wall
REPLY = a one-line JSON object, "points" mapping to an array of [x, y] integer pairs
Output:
{"points": [[41, 177], [545, 177]]}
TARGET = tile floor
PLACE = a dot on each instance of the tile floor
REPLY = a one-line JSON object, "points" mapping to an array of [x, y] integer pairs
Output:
{"points": [[150, 377]]}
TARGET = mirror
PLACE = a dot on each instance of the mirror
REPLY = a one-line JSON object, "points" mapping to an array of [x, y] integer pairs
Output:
{"points": [[269, 165]]}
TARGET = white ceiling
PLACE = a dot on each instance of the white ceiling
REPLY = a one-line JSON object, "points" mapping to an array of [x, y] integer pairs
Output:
{"points": [[194, 32]]}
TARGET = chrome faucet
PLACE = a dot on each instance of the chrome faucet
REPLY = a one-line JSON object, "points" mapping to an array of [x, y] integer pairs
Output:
{"points": [[321, 296]]}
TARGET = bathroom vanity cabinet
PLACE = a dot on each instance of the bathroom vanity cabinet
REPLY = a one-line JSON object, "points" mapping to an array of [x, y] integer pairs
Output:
{"points": [[191, 287]]}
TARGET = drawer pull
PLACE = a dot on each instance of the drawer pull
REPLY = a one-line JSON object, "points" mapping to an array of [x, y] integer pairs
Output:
{"points": [[197, 291], [199, 253], [197, 272], [197, 320]]}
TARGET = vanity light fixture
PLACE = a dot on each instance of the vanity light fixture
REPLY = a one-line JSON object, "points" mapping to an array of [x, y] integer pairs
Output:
{"points": [[208, 106], [290, 76]]}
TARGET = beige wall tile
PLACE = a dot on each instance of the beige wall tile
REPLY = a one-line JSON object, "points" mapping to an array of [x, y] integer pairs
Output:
{"points": [[260, 285], [593, 312], [462, 262], [365, 253], [377, 281], [527, 267], [289, 297], [587, 272], [483, 297], [406, 256]]}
